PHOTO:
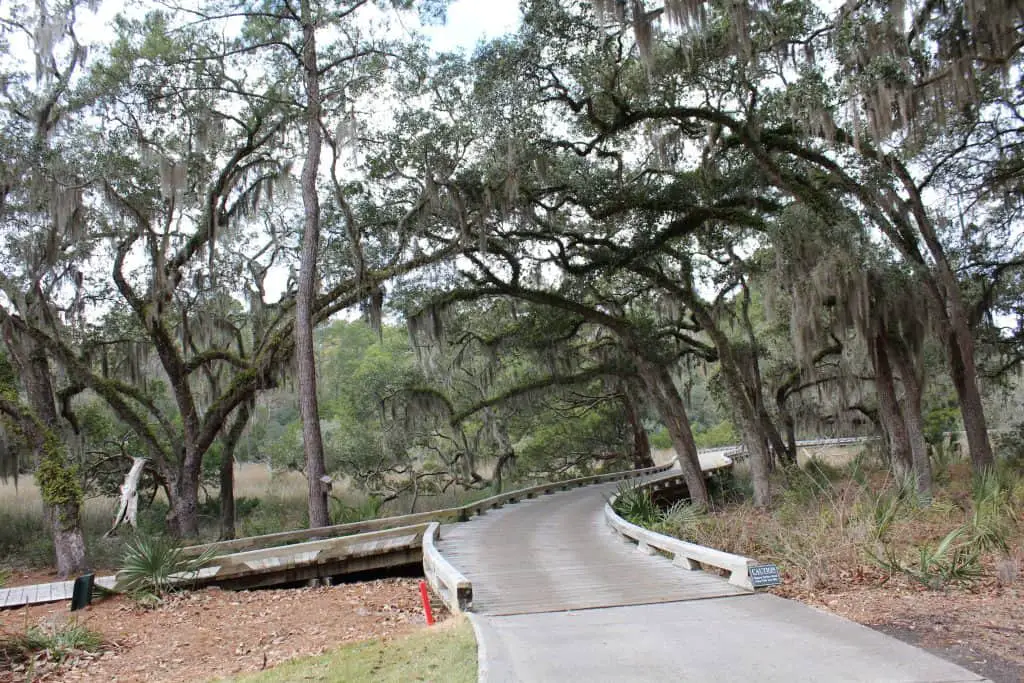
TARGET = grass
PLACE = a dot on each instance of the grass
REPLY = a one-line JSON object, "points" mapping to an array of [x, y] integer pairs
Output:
{"points": [[25, 540], [54, 642], [830, 521], [265, 502], [446, 652]]}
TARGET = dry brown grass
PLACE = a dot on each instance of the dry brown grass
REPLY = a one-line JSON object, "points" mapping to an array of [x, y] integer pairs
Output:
{"points": [[822, 533], [255, 481]]}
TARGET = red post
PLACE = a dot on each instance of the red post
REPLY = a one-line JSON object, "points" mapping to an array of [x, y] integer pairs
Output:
{"points": [[426, 603]]}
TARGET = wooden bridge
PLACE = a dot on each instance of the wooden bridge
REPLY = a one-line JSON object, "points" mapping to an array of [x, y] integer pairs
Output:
{"points": [[326, 553], [322, 554]]}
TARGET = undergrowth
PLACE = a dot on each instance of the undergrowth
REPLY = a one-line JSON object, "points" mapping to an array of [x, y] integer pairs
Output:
{"points": [[38, 648], [153, 566], [829, 524]]}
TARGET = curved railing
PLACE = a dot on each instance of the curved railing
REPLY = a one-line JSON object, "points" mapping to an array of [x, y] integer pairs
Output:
{"points": [[446, 581], [682, 553], [691, 555], [447, 515]]}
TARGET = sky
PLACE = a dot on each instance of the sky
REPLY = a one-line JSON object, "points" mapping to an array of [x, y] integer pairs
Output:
{"points": [[471, 21], [468, 22]]}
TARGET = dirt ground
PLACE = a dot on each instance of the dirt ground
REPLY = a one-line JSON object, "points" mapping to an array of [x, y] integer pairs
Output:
{"points": [[212, 633]]}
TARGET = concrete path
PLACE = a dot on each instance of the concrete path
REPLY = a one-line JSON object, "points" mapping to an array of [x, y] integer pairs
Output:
{"points": [[750, 638], [559, 597]]}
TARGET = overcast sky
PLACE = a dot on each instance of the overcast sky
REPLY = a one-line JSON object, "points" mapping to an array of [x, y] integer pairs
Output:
{"points": [[470, 21]]}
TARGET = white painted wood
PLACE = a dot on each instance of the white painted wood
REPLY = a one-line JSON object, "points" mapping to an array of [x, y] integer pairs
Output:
{"points": [[446, 581]]}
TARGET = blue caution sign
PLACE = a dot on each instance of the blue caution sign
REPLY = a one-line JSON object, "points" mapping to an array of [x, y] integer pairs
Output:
{"points": [[763, 575]]}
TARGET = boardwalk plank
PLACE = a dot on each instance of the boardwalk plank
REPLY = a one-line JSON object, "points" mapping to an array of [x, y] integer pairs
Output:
{"points": [[556, 553], [57, 591]]}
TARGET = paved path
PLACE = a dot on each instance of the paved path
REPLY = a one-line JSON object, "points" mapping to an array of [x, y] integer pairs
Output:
{"points": [[44, 592], [559, 597]]}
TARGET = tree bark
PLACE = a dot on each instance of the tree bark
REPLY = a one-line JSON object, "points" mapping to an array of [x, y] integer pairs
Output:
{"points": [[309, 409], [128, 508], [913, 389], [227, 473], [889, 410], [788, 424], [745, 406], [778, 447], [964, 373], [673, 413], [960, 342], [641, 451], [506, 453], [62, 516], [183, 518]]}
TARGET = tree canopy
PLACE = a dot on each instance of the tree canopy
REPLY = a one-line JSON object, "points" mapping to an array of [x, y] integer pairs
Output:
{"points": [[623, 219]]}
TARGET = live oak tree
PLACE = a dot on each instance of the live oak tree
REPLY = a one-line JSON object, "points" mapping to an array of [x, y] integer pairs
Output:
{"points": [[44, 251]]}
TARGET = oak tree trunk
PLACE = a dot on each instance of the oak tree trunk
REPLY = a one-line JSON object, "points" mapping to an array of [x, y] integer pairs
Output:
{"points": [[964, 373], [673, 413], [913, 390], [745, 407], [227, 472], [183, 518], [62, 516], [641, 450], [889, 410]]}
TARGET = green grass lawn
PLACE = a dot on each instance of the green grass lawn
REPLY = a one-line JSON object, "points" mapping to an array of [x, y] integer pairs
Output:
{"points": [[446, 652]]}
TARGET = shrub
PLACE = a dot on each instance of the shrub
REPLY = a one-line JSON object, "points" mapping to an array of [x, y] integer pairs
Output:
{"points": [[660, 438], [153, 566], [635, 504], [722, 434], [992, 521], [944, 454], [368, 508], [680, 518], [936, 565], [884, 512]]}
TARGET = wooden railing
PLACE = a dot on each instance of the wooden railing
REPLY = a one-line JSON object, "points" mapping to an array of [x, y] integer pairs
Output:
{"points": [[446, 581], [447, 515], [683, 554]]}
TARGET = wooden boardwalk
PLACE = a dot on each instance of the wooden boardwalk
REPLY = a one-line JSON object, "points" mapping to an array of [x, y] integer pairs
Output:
{"points": [[40, 593], [556, 553]]}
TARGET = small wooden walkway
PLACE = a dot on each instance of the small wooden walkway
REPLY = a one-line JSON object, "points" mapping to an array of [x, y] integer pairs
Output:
{"points": [[20, 596], [556, 553]]}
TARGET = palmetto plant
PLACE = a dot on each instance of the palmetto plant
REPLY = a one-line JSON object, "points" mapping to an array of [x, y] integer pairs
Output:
{"points": [[155, 566], [635, 504], [681, 515], [995, 513], [936, 565]]}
